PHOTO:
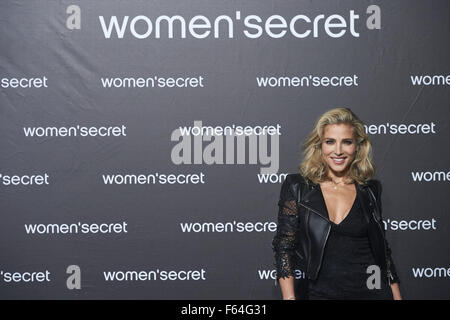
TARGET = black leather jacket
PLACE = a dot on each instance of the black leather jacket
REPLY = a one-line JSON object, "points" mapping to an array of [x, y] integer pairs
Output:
{"points": [[304, 226]]}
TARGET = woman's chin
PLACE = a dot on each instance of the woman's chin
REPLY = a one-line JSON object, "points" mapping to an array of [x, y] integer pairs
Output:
{"points": [[339, 170]]}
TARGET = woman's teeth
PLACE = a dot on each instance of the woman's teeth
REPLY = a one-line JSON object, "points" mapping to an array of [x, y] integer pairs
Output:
{"points": [[338, 160]]}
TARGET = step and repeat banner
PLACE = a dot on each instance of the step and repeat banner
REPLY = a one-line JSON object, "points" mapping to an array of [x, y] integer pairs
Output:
{"points": [[144, 143]]}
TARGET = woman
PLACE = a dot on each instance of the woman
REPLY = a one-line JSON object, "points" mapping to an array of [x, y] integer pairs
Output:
{"points": [[329, 220]]}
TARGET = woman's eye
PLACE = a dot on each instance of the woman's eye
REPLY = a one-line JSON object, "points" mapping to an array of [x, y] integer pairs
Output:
{"points": [[346, 142]]}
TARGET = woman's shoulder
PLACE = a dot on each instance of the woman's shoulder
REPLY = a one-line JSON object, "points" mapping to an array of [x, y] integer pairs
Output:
{"points": [[291, 185], [375, 185], [293, 178]]}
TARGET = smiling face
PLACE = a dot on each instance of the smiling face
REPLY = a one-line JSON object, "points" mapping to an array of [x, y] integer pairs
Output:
{"points": [[338, 148]]}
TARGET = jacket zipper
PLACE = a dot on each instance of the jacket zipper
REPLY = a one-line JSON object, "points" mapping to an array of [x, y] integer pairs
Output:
{"points": [[322, 251], [298, 253], [309, 245], [311, 209], [326, 239]]}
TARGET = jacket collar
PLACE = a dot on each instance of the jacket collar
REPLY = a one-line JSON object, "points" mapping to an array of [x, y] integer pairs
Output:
{"points": [[313, 199]]}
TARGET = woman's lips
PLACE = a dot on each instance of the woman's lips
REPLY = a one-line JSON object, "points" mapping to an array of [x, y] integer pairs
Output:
{"points": [[338, 161]]}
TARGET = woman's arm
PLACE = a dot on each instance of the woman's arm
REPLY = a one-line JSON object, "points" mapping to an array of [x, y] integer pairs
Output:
{"points": [[395, 285], [396, 291], [285, 239], [287, 288]]}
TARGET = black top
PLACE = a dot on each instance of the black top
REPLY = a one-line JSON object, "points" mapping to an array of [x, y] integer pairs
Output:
{"points": [[347, 254]]}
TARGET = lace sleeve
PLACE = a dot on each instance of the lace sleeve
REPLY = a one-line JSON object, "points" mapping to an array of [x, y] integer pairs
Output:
{"points": [[285, 238]]}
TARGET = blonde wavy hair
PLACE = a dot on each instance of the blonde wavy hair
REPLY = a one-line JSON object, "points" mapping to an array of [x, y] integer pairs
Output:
{"points": [[314, 167]]}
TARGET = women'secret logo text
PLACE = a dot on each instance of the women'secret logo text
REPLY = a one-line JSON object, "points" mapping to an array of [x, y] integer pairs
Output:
{"points": [[251, 26]]}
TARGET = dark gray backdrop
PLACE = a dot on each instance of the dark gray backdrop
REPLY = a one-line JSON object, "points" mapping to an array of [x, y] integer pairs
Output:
{"points": [[234, 264]]}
